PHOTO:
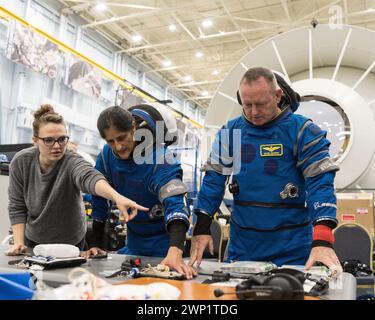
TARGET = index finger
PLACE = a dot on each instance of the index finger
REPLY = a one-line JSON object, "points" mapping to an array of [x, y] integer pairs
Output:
{"points": [[192, 270], [193, 253], [139, 207], [200, 251], [193, 258]]}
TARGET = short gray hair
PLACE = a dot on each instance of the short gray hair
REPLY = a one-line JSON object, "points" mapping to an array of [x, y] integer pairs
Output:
{"points": [[254, 74]]}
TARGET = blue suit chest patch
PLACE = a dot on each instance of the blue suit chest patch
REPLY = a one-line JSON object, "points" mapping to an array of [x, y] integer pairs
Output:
{"points": [[271, 166], [271, 150], [248, 153]]}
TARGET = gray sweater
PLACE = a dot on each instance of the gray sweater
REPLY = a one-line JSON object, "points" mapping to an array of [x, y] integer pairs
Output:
{"points": [[50, 204]]}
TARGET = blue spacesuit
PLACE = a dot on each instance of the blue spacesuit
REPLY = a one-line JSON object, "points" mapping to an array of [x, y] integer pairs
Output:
{"points": [[157, 186], [282, 185]]}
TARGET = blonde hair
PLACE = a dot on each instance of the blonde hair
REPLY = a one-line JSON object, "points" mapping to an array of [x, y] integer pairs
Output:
{"points": [[45, 114]]}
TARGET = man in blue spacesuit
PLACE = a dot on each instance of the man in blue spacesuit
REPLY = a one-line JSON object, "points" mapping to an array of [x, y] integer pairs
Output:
{"points": [[147, 172], [284, 205]]}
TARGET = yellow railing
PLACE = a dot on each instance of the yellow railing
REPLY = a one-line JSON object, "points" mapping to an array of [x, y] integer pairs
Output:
{"points": [[6, 14]]}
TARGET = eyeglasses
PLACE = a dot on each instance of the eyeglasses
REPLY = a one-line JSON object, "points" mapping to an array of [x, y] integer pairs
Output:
{"points": [[50, 142]]}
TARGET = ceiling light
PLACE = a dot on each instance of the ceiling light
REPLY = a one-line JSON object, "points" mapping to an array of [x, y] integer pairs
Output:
{"points": [[167, 63], [207, 23], [215, 72], [319, 112], [188, 78], [198, 55], [204, 93], [172, 27], [101, 7], [137, 38]]}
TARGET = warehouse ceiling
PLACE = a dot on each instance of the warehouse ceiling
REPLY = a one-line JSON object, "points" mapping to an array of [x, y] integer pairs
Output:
{"points": [[194, 43]]}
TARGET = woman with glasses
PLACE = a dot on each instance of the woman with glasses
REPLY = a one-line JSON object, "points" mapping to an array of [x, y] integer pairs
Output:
{"points": [[45, 184]]}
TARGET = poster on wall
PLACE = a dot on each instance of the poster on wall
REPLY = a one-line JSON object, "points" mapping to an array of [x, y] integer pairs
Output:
{"points": [[33, 50], [83, 77], [126, 98]]}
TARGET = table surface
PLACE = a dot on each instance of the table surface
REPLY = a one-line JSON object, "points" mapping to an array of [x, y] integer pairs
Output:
{"points": [[344, 289], [190, 290], [195, 291]]}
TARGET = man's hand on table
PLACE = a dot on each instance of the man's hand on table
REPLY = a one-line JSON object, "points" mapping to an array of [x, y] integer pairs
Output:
{"points": [[174, 261], [198, 245], [327, 256], [93, 253]]}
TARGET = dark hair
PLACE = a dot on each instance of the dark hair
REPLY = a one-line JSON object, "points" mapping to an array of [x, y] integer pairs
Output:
{"points": [[116, 117], [45, 114], [50, 46], [254, 74], [78, 70]]}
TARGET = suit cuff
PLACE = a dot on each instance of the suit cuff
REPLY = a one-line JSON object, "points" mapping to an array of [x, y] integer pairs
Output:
{"points": [[177, 234], [326, 221], [202, 227], [321, 243]]}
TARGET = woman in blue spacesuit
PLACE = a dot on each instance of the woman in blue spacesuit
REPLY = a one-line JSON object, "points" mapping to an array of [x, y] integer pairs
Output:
{"points": [[137, 162], [284, 206]]}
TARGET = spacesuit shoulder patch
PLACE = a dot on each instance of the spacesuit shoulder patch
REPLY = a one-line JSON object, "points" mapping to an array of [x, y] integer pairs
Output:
{"points": [[271, 150], [172, 188]]}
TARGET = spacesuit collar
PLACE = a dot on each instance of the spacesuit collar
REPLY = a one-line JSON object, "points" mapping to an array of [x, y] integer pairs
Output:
{"points": [[284, 112]]}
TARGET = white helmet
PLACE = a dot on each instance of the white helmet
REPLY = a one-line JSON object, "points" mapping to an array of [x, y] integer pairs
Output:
{"points": [[150, 113]]}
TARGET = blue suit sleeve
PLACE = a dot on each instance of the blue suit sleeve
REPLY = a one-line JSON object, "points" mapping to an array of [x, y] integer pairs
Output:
{"points": [[319, 171], [100, 205], [166, 182], [87, 197], [218, 168]]}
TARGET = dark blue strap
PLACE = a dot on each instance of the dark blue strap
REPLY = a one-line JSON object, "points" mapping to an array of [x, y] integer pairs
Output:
{"points": [[145, 116]]}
